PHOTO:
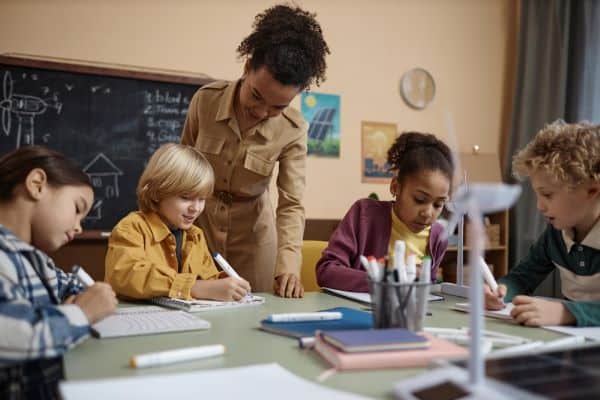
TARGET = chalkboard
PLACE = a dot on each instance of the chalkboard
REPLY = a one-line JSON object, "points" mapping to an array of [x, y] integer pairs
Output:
{"points": [[108, 120]]}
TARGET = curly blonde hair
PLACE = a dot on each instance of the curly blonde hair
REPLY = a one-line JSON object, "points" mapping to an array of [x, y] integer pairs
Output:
{"points": [[570, 153]]}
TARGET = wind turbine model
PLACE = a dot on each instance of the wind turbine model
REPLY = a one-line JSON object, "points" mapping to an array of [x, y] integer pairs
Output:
{"points": [[473, 200]]}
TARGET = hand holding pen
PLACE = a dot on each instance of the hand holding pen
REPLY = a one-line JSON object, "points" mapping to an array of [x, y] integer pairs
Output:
{"points": [[98, 299], [235, 283]]}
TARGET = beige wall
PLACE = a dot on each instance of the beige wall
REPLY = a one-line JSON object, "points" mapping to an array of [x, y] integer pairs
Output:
{"points": [[467, 45]]}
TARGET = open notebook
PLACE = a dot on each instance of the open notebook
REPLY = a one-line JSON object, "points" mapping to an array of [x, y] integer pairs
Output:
{"points": [[146, 320], [206, 305]]}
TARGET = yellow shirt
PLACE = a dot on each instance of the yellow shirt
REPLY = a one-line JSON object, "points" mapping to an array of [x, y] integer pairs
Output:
{"points": [[416, 243], [141, 260]]}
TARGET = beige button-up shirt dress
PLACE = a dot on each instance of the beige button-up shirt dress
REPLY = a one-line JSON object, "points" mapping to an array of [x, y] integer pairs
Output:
{"points": [[239, 221]]}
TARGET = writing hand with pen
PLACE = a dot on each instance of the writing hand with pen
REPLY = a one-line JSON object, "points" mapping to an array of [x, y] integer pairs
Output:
{"points": [[97, 301], [528, 310]]}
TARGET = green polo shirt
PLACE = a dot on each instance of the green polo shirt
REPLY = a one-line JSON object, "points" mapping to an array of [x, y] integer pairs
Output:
{"points": [[577, 263]]}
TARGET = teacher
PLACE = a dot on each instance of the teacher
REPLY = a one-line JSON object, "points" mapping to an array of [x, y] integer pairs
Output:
{"points": [[244, 128]]}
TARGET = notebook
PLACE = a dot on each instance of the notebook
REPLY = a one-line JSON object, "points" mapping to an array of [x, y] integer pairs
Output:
{"points": [[351, 319], [418, 358], [146, 320], [500, 314], [206, 305], [354, 341], [364, 297]]}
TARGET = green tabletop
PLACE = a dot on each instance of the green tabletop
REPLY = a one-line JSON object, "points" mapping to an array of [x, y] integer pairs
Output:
{"points": [[238, 330]]}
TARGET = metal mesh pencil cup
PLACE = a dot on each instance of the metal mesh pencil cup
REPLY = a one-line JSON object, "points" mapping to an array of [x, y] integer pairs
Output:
{"points": [[399, 305]]}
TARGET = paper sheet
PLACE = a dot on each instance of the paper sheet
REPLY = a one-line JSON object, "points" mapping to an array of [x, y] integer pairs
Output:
{"points": [[363, 297], [500, 314], [265, 382]]}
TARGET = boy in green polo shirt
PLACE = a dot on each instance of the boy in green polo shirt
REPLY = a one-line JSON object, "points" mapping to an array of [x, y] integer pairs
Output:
{"points": [[563, 164]]}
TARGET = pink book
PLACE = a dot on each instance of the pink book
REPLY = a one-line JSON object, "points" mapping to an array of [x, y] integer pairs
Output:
{"points": [[438, 349]]}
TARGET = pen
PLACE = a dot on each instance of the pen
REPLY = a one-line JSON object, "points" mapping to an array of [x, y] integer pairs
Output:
{"points": [[175, 356], [82, 276], [487, 275], [226, 266], [301, 317]]}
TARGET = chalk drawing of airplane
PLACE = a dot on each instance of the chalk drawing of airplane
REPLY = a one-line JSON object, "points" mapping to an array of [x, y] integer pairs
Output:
{"points": [[25, 108]]}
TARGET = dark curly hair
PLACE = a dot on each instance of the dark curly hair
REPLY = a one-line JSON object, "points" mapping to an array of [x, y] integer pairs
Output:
{"points": [[414, 151], [289, 42]]}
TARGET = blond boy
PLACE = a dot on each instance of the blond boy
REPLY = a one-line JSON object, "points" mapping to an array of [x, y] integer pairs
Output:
{"points": [[158, 251]]}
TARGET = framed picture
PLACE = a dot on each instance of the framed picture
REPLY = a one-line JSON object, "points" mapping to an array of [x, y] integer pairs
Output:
{"points": [[322, 111], [377, 138]]}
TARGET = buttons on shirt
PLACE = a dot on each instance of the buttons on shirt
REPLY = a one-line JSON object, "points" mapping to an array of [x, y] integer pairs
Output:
{"points": [[582, 264], [579, 248]]}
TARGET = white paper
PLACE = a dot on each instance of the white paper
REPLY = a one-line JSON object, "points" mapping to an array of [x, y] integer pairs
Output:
{"points": [[363, 297], [501, 314], [592, 333], [265, 382]]}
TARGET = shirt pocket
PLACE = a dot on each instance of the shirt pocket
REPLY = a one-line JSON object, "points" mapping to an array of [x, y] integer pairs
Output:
{"points": [[255, 163], [210, 145]]}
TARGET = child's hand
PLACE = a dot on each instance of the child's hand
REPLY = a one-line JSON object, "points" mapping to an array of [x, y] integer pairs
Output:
{"points": [[288, 285], [532, 311], [226, 289], [96, 302], [494, 301]]}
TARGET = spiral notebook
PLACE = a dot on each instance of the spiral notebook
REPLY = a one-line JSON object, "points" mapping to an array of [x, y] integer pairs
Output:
{"points": [[146, 320], [206, 305]]}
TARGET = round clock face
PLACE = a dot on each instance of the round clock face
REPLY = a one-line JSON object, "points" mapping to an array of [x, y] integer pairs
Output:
{"points": [[417, 88]]}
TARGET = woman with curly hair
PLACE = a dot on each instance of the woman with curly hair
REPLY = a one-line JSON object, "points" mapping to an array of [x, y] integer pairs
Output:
{"points": [[244, 128], [423, 172], [563, 165]]}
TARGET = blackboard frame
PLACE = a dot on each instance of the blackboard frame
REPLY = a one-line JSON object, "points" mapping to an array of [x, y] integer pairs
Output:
{"points": [[108, 70]]}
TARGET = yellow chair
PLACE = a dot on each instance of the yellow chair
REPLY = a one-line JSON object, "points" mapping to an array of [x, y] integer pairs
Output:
{"points": [[311, 252]]}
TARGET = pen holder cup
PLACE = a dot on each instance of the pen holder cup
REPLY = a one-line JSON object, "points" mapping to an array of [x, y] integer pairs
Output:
{"points": [[399, 305]]}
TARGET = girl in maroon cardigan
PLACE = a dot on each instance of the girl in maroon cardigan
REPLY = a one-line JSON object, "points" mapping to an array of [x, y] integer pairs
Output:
{"points": [[423, 171]]}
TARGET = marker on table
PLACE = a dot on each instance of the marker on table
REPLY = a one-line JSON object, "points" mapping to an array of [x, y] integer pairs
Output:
{"points": [[83, 277], [175, 356], [301, 317]]}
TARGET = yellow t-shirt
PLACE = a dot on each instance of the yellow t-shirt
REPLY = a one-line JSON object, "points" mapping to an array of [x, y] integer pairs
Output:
{"points": [[416, 243], [141, 260]]}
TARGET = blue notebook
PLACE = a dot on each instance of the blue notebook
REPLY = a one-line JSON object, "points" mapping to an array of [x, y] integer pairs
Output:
{"points": [[354, 341], [351, 319]]}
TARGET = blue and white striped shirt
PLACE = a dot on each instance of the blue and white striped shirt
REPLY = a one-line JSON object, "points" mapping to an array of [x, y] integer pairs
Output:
{"points": [[33, 322]]}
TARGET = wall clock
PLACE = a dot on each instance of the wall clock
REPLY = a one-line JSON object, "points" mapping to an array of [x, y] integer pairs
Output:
{"points": [[417, 88]]}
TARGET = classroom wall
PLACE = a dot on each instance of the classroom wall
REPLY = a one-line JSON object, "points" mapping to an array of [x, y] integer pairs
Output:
{"points": [[467, 45]]}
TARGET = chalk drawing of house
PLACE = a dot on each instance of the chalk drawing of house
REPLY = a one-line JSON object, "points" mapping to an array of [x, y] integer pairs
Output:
{"points": [[104, 176]]}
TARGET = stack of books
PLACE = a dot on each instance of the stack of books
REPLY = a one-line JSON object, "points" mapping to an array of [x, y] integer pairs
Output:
{"points": [[383, 348]]}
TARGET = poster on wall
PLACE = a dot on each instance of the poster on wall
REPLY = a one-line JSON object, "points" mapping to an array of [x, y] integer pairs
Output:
{"points": [[322, 111], [377, 138]]}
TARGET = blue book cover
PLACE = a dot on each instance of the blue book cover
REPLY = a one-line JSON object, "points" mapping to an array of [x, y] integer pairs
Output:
{"points": [[351, 319], [351, 341]]}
